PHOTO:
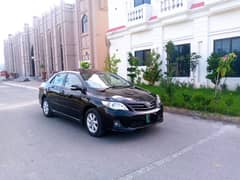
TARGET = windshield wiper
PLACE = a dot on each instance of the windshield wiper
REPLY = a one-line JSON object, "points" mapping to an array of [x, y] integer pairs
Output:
{"points": [[112, 87]]}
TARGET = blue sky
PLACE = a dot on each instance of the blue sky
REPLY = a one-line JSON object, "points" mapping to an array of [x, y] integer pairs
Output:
{"points": [[14, 13]]}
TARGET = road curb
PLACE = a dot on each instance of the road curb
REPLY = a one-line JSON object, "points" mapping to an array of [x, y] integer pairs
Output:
{"points": [[203, 115]]}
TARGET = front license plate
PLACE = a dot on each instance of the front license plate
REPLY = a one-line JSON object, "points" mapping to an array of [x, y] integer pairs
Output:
{"points": [[148, 118]]}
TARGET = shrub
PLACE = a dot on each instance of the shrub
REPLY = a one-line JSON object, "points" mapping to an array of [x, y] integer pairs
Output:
{"points": [[238, 88], [111, 64], [152, 73], [224, 87], [186, 97], [133, 67], [169, 88], [85, 65]]}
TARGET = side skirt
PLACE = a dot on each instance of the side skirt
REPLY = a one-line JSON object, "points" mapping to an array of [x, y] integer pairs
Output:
{"points": [[67, 116]]}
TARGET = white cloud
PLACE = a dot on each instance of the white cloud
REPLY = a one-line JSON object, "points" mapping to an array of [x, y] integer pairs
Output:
{"points": [[14, 13]]}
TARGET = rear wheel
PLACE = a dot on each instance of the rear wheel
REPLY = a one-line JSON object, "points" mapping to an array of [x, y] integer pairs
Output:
{"points": [[93, 123], [47, 111]]}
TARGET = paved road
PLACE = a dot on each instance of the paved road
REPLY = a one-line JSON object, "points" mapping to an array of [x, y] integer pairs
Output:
{"points": [[33, 147]]}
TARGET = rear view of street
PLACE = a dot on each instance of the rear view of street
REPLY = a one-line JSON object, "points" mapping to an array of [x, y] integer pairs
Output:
{"points": [[33, 147]]}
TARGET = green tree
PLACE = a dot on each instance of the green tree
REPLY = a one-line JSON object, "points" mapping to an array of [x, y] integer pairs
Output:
{"points": [[133, 67], [111, 64], [167, 81], [213, 63], [171, 56], [152, 74], [224, 67], [194, 62]]}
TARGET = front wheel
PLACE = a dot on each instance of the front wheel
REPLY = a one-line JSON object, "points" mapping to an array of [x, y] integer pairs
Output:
{"points": [[94, 124], [47, 111]]}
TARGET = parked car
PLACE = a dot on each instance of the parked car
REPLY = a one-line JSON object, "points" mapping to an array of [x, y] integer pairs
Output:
{"points": [[100, 100], [4, 75]]}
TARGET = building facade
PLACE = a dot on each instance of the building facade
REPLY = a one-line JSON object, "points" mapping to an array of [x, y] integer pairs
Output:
{"points": [[60, 40], [53, 41], [203, 27]]}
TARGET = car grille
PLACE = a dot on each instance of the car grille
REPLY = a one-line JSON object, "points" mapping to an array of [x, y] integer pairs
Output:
{"points": [[143, 106]]}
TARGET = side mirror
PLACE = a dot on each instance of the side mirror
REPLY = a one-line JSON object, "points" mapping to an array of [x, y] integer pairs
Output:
{"points": [[78, 88]]}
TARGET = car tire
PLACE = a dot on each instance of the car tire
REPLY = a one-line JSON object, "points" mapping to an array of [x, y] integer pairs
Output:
{"points": [[93, 122], [47, 110]]}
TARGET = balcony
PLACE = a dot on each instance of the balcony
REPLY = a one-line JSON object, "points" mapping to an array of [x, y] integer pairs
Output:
{"points": [[139, 14]]}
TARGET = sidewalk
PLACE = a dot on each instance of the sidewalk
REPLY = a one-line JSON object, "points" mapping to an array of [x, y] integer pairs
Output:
{"points": [[33, 84]]}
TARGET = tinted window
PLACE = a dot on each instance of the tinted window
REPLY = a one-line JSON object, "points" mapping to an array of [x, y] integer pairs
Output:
{"points": [[58, 80], [140, 2], [181, 62], [72, 79], [236, 45], [225, 46], [142, 56]]}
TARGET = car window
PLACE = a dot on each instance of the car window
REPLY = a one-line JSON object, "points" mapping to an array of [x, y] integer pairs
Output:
{"points": [[58, 80], [104, 80], [72, 79]]}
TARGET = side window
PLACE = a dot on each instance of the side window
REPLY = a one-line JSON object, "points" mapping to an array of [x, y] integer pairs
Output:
{"points": [[72, 79], [84, 24], [225, 46], [58, 80]]}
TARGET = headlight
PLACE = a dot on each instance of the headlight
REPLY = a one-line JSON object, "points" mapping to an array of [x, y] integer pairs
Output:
{"points": [[115, 105], [158, 99]]}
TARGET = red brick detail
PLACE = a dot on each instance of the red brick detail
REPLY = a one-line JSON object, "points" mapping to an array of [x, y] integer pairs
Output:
{"points": [[153, 18], [197, 5], [116, 28]]}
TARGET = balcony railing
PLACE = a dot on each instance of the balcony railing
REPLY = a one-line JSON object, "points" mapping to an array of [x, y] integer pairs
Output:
{"points": [[173, 6], [139, 14]]}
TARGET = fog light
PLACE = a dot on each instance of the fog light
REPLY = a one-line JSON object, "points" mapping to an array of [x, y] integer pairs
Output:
{"points": [[117, 123]]}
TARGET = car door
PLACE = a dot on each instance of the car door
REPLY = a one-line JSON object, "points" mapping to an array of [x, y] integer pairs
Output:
{"points": [[73, 98], [56, 92]]}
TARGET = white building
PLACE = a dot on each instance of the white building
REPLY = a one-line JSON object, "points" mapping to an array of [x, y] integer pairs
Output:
{"points": [[196, 26]]}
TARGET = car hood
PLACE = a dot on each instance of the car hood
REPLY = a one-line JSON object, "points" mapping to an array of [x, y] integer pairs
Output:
{"points": [[129, 95]]}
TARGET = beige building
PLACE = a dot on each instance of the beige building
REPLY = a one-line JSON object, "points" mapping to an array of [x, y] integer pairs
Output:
{"points": [[60, 39], [53, 40], [91, 24]]}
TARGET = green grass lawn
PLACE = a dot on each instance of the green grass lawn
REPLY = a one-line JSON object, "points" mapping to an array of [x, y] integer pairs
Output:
{"points": [[201, 99]]}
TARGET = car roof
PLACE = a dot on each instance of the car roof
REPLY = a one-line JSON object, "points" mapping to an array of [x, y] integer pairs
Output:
{"points": [[81, 71]]}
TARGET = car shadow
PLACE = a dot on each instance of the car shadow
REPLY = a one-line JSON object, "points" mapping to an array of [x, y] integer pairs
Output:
{"points": [[110, 136]]}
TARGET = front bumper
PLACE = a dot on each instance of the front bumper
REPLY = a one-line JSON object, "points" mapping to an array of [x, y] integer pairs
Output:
{"points": [[131, 120]]}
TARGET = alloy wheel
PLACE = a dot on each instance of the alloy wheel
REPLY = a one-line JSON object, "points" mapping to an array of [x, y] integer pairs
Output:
{"points": [[45, 108], [92, 123]]}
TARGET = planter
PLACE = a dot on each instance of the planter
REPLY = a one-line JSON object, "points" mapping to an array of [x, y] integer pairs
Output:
{"points": [[44, 76], [14, 75]]}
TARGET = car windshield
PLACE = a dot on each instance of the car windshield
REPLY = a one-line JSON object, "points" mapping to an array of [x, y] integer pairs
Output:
{"points": [[101, 80]]}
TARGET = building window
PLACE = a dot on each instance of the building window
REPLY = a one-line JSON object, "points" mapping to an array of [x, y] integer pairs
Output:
{"points": [[84, 24], [225, 46], [140, 2], [181, 62], [142, 56]]}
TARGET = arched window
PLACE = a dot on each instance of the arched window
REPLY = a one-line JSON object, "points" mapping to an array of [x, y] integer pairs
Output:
{"points": [[84, 24]]}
